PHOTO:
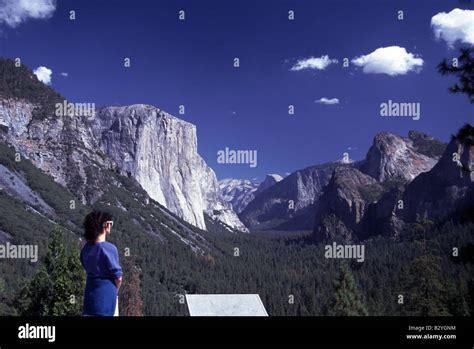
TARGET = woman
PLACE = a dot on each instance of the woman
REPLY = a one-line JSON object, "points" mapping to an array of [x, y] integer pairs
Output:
{"points": [[101, 262]]}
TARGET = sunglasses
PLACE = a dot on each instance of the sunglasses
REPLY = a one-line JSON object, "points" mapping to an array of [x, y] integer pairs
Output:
{"points": [[109, 222]]}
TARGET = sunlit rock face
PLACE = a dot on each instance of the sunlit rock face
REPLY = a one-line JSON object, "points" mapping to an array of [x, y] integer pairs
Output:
{"points": [[141, 141]]}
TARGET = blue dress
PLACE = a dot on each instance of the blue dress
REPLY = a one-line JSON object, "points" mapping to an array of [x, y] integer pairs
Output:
{"points": [[101, 262]]}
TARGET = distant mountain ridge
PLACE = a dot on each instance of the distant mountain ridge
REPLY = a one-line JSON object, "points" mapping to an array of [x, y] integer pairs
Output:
{"points": [[280, 202], [240, 192], [356, 206], [291, 204]]}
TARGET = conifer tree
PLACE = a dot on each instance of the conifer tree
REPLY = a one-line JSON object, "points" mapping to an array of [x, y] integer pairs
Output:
{"points": [[347, 299], [57, 289], [425, 292], [463, 69], [131, 302]]}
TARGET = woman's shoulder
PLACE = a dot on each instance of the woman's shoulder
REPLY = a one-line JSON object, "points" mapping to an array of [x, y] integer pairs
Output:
{"points": [[105, 245]]}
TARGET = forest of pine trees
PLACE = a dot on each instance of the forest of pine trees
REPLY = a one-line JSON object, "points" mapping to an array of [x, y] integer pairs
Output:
{"points": [[291, 276]]}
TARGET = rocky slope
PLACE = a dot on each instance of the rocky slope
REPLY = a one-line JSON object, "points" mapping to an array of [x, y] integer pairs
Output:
{"points": [[291, 204], [155, 148], [390, 199]]}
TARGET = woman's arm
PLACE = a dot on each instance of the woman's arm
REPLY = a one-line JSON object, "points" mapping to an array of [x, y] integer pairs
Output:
{"points": [[112, 263]]}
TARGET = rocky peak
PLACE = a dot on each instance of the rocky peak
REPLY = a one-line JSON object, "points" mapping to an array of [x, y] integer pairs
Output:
{"points": [[395, 157], [356, 206], [270, 180], [140, 141], [160, 152]]}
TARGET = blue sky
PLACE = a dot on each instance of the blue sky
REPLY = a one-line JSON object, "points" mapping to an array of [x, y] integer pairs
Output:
{"points": [[191, 63]]}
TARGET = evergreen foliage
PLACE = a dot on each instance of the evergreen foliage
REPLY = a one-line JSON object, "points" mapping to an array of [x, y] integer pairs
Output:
{"points": [[57, 289], [347, 299]]}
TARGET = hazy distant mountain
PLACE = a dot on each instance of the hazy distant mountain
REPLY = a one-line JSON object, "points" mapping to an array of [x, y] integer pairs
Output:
{"points": [[287, 199], [240, 192], [269, 181]]}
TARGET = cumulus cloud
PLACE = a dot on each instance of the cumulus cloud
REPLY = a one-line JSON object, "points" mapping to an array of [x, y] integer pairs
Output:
{"points": [[64, 74], [453, 26], [15, 12], [318, 63], [328, 101], [43, 74], [392, 60]]}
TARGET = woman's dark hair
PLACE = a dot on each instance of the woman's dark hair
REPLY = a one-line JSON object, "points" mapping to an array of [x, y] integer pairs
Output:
{"points": [[94, 224]]}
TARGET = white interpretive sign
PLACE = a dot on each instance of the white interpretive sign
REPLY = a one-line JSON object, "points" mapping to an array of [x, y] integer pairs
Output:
{"points": [[225, 305]]}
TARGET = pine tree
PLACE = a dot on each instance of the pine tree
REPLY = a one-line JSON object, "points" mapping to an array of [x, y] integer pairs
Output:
{"points": [[57, 288], [347, 299], [464, 70], [425, 292], [131, 302]]}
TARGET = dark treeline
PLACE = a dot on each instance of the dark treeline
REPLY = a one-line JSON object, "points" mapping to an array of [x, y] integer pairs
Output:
{"points": [[410, 277]]}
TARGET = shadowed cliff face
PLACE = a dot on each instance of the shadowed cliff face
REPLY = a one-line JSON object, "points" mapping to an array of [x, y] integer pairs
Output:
{"points": [[356, 206], [445, 190], [345, 200]]}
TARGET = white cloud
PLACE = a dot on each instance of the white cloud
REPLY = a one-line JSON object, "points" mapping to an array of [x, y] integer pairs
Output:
{"points": [[453, 26], [43, 74], [15, 12], [319, 63], [392, 60], [328, 101], [64, 74]]}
